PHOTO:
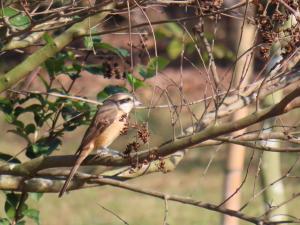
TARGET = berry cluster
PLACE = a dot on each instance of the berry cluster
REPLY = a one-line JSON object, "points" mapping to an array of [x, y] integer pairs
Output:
{"points": [[112, 70], [271, 19]]}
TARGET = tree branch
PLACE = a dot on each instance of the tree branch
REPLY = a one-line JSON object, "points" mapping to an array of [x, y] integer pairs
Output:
{"points": [[50, 49]]}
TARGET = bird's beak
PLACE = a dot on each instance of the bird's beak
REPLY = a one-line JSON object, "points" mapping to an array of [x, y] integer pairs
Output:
{"points": [[137, 103]]}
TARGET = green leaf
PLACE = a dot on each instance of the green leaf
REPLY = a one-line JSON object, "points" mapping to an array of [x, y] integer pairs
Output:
{"points": [[134, 82], [175, 29], [6, 105], [71, 55], [169, 30], [220, 52], [81, 106], [21, 222], [9, 118], [98, 70], [34, 108], [17, 18], [90, 41], [209, 36], [30, 128], [109, 90], [36, 150], [77, 67], [10, 211], [174, 48], [55, 64], [48, 39], [19, 124], [36, 196], [4, 221], [119, 51], [190, 48], [68, 112], [157, 62], [11, 203], [33, 214], [38, 119], [5, 157], [123, 52], [43, 147]]}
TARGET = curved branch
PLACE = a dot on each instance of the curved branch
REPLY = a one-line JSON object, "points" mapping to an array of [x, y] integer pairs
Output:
{"points": [[165, 149]]}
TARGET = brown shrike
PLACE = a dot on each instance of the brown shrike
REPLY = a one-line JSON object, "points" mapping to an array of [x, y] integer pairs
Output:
{"points": [[105, 127]]}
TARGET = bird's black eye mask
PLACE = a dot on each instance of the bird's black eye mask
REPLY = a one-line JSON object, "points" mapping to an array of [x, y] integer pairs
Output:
{"points": [[124, 100]]}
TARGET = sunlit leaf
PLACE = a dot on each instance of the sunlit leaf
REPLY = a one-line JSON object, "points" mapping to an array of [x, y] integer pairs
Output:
{"points": [[36, 196], [17, 18], [90, 41], [134, 82], [33, 214], [157, 62], [174, 48]]}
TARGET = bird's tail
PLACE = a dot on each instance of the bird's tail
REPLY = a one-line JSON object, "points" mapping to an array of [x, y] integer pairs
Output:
{"points": [[81, 156]]}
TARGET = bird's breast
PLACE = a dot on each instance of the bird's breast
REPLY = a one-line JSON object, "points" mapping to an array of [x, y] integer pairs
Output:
{"points": [[109, 134]]}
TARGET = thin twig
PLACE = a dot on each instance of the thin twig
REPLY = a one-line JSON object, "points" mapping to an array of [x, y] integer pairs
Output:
{"points": [[113, 213]]}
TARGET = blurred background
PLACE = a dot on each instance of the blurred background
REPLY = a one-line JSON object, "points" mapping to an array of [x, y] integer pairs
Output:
{"points": [[208, 174]]}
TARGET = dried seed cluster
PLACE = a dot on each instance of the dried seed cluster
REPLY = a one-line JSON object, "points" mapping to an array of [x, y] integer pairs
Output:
{"points": [[270, 19], [208, 6], [142, 135], [133, 146]]}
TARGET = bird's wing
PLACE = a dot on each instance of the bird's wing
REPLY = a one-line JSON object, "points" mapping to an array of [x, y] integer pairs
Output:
{"points": [[105, 116]]}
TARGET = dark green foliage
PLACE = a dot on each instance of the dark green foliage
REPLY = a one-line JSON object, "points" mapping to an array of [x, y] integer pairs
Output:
{"points": [[8, 158], [109, 90], [16, 18], [16, 210], [156, 63]]}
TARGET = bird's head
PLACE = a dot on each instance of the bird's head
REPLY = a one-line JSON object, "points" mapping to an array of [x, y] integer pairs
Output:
{"points": [[124, 101]]}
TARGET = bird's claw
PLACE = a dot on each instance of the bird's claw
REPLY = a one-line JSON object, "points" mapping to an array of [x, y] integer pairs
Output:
{"points": [[108, 152]]}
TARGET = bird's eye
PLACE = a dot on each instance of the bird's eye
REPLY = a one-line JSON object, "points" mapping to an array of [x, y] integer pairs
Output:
{"points": [[125, 100]]}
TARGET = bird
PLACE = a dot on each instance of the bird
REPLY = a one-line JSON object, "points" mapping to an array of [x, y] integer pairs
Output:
{"points": [[106, 126]]}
